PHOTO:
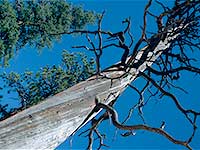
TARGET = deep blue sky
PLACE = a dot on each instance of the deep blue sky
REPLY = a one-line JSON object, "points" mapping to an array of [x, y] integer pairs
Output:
{"points": [[156, 111]]}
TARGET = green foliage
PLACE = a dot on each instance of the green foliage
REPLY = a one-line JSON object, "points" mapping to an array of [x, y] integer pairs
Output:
{"points": [[37, 23], [9, 30], [32, 88]]}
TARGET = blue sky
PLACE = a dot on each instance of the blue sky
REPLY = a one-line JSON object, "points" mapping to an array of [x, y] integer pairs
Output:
{"points": [[156, 110]]}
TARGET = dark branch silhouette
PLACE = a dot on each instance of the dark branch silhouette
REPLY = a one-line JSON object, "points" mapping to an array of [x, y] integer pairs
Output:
{"points": [[181, 20]]}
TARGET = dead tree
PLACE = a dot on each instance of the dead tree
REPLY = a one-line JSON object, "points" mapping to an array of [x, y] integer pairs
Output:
{"points": [[49, 123]]}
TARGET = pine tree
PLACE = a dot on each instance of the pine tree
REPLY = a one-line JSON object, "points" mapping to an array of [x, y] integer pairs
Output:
{"points": [[37, 23], [32, 88]]}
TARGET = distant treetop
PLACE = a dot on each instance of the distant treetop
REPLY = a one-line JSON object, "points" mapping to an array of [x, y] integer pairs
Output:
{"points": [[37, 23]]}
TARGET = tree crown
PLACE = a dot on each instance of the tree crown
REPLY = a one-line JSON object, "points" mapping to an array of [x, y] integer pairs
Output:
{"points": [[37, 23]]}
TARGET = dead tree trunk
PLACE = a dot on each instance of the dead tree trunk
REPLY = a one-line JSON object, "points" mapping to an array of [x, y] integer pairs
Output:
{"points": [[49, 123]]}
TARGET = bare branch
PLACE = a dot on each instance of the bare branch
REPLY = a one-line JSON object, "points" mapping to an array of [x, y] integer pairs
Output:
{"points": [[116, 123], [143, 32]]}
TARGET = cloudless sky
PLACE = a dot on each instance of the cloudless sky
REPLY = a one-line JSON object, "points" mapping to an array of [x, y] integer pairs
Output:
{"points": [[155, 112]]}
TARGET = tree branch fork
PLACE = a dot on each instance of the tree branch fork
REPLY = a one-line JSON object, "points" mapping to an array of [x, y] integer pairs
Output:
{"points": [[52, 121]]}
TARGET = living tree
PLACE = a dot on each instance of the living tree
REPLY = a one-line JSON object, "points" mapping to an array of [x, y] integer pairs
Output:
{"points": [[32, 88], [161, 62], [33, 23]]}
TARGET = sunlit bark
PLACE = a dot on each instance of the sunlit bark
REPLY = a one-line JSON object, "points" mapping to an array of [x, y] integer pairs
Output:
{"points": [[49, 123]]}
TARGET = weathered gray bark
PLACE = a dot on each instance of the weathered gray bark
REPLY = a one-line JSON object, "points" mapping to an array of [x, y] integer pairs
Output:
{"points": [[49, 123]]}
